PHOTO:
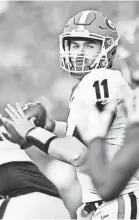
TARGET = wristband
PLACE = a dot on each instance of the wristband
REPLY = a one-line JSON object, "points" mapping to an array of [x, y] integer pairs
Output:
{"points": [[41, 138]]}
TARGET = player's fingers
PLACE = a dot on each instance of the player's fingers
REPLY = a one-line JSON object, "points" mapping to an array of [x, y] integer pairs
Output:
{"points": [[11, 114], [13, 110], [28, 103], [32, 103], [20, 110], [5, 136], [7, 121], [2, 136], [3, 121], [32, 120]]}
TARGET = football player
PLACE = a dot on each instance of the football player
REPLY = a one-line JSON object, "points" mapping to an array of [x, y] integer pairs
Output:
{"points": [[87, 49]]}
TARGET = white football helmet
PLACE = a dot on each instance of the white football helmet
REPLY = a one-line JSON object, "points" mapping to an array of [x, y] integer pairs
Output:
{"points": [[88, 25]]}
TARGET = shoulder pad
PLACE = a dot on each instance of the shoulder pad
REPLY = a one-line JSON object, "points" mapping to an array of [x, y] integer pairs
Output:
{"points": [[101, 85]]}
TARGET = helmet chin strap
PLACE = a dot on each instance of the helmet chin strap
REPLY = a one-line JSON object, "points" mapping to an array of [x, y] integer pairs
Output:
{"points": [[80, 75]]}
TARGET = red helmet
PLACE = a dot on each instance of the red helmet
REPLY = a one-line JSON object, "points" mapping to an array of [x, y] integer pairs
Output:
{"points": [[89, 25]]}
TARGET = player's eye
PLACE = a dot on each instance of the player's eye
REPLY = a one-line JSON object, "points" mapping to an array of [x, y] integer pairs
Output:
{"points": [[90, 46], [75, 46]]}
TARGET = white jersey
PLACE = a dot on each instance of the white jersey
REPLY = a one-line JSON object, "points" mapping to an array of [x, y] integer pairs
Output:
{"points": [[101, 85]]}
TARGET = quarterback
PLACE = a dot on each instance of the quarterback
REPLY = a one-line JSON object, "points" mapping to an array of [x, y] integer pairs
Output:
{"points": [[87, 49]]}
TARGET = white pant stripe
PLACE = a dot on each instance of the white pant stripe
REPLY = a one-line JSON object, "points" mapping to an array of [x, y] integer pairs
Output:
{"points": [[121, 208]]}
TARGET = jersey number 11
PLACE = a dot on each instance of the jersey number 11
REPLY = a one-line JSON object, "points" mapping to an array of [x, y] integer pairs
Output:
{"points": [[97, 86]]}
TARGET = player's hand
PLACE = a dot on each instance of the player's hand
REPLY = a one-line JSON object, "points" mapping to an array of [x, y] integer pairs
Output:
{"points": [[26, 105], [94, 123], [18, 120], [50, 123], [132, 106]]}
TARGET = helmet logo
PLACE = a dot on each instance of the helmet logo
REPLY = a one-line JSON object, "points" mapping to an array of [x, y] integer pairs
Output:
{"points": [[109, 42], [110, 24]]}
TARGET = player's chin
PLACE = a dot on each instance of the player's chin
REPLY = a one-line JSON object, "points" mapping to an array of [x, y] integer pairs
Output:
{"points": [[79, 74], [81, 69]]}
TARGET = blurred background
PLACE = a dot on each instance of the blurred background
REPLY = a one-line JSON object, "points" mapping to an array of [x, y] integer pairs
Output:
{"points": [[29, 49]]}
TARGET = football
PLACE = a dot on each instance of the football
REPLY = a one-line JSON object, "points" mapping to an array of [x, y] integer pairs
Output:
{"points": [[36, 110], [33, 109]]}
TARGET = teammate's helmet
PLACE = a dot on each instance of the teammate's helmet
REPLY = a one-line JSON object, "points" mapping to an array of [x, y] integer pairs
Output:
{"points": [[89, 25]]}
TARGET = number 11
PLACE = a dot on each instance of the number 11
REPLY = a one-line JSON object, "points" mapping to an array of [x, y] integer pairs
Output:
{"points": [[104, 83]]}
